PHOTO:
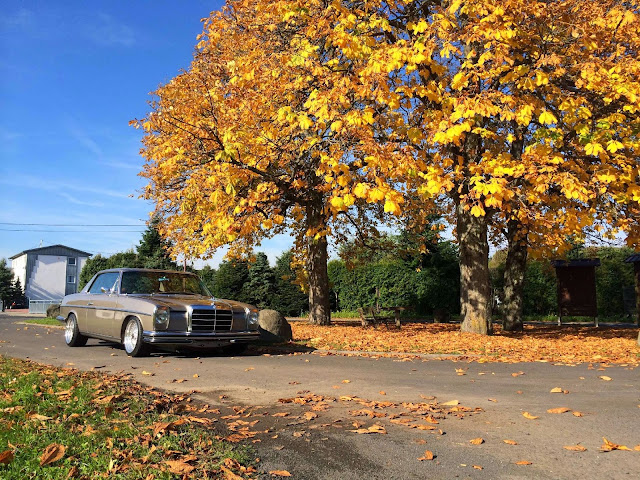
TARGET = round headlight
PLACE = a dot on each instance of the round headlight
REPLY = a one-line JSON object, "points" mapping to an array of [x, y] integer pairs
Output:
{"points": [[252, 317], [161, 317]]}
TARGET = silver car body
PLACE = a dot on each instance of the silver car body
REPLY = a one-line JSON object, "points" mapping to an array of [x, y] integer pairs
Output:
{"points": [[105, 306]]}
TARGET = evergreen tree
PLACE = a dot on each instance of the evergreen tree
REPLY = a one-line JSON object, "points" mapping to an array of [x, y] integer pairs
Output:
{"points": [[230, 279], [153, 250], [208, 277], [289, 298], [92, 266], [6, 283], [259, 289]]}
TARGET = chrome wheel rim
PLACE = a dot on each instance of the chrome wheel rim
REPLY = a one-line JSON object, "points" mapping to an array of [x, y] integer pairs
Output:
{"points": [[131, 334], [69, 329]]}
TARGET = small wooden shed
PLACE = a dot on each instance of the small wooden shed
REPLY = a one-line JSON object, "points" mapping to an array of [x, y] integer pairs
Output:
{"points": [[635, 259], [576, 284]]}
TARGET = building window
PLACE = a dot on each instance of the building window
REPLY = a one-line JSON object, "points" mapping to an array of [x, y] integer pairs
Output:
{"points": [[71, 261], [71, 279]]}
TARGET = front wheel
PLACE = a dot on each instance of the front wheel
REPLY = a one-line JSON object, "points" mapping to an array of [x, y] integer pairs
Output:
{"points": [[132, 339], [72, 335]]}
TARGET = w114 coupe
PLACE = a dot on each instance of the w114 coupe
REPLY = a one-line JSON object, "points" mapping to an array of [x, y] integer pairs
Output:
{"points": [[139, 308]]}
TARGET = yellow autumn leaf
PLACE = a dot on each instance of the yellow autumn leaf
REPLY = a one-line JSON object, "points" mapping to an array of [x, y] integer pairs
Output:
{"points": [[529, 416], [575, 448], [547, 118], [593, 149], [559, 410]]}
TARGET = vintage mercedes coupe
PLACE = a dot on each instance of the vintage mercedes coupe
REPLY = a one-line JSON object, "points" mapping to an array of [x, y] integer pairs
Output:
{"points": [[141, 307]]}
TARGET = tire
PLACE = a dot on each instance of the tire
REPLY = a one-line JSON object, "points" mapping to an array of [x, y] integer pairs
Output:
{"points": [[132, 339], [72, 335]]}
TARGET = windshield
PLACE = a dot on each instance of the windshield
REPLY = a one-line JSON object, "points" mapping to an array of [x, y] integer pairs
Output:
{"points": [[162, 282]]}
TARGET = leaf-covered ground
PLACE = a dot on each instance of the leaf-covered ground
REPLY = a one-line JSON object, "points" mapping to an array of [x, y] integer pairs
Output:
{"points": [[60, 423], [567, 344]]}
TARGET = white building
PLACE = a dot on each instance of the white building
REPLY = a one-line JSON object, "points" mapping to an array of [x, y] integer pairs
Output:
{"points": [[49, 273]]}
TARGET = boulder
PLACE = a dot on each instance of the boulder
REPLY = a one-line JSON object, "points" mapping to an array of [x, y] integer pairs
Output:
{"points": [[53, 310], [274, 327], [441, 315]]}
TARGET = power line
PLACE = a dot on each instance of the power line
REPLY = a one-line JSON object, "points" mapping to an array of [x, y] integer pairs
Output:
{"points": [[68, 231], [72, 224]]}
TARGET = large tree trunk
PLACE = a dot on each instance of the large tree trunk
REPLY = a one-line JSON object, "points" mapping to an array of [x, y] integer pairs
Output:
{"points": [[319, 305], [514, 276], [475, 286]]}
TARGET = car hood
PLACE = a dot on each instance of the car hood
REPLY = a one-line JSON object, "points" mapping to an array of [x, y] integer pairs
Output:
{"points": [[181, 302]]}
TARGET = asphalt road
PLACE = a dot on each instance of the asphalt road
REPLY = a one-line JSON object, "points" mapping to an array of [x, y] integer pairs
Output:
{"points": [[495, 396]]}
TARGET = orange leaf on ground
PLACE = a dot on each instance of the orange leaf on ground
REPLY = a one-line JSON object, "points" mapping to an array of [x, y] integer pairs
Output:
{"points": [[608, 446], [510, 442], [280, 473], [559, 410], [450, 403], [477, 467], [6, 457], [229, 475], [637, 448], [577, 414], [372, 429], [428, 455], [476, 441], [556, 390], [575, 448], [605, 378], [529, 416], [51, 454], [536, 342], [382, 392], [179, 467], [524, 462]]}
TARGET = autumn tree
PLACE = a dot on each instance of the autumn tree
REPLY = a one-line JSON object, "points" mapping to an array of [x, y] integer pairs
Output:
{"points": [[517, 117], [260, 136]]}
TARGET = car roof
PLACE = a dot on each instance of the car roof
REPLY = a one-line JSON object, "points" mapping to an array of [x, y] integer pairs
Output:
{"points": [[153, 270]]}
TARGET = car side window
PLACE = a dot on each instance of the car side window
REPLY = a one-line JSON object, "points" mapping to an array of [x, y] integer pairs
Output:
{"points": [[105, 281]]}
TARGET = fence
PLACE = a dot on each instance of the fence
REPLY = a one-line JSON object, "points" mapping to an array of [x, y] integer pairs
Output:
{"points": [[40, 306]]}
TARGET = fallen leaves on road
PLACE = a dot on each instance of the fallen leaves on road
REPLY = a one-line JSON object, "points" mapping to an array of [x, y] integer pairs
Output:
{"points": [[529, 416], [608, 446], [372, 429], [575, 448], [559, 410], [477, 441], [524, 462], [605, 378], [428, 455], [559, 390], [280, 473], [537, 342], [510, 442]]}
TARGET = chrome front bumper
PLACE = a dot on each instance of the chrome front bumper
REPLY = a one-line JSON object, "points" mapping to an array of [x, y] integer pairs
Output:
{"points": [[182, 338]]}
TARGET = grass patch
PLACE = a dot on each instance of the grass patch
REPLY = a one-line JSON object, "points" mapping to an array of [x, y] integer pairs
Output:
{"points": [[103, 426], [44, 321]]}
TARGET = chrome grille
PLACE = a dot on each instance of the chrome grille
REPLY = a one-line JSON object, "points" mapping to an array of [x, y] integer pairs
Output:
{"points": [[211, 320]]}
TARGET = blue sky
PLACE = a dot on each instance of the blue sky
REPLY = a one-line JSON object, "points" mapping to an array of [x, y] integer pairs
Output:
{"points": [[72, 76]]}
